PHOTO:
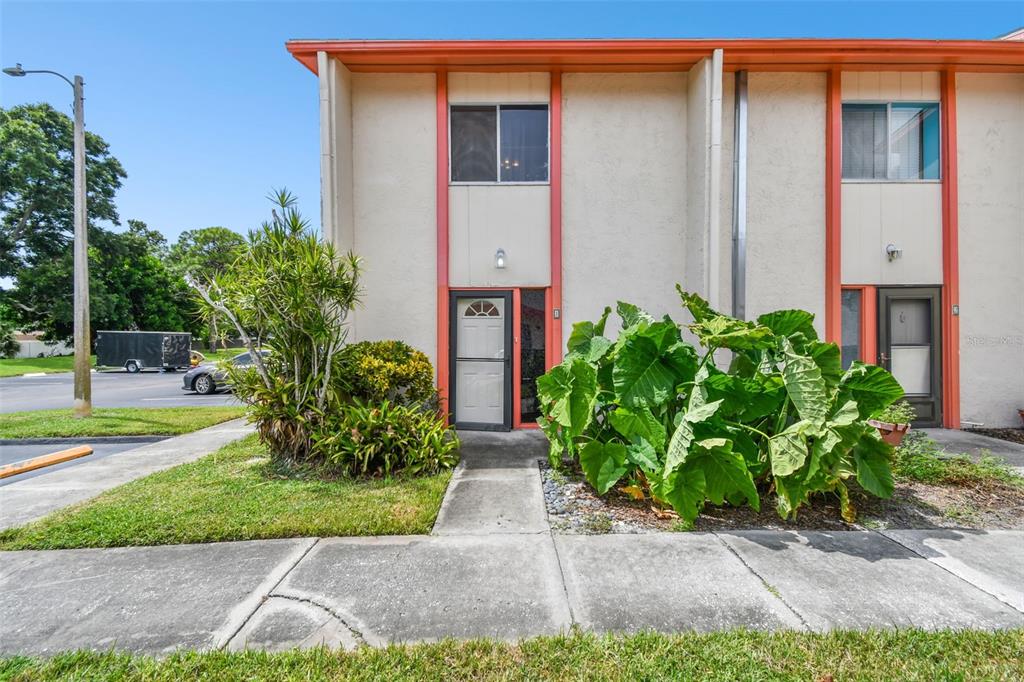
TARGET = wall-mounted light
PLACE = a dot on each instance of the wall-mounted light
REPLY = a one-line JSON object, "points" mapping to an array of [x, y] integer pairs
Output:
{"points": [[499, 259], [893, 252]]}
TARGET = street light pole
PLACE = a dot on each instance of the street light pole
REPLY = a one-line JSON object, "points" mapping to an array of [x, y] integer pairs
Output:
{"points": [[83, 378]]}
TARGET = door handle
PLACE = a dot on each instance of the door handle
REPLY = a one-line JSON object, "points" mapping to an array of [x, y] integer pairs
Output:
{"points": [[883, 360]]}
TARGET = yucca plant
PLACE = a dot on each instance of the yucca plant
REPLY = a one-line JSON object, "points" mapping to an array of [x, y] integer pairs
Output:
{"points": [[294, 291]]}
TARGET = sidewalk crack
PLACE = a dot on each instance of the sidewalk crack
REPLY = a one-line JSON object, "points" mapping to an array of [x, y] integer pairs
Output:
{"points": [[355, 632], [222, 641], [767, 585]]}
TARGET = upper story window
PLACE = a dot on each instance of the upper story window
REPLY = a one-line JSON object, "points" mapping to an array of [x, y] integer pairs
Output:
{"points": [[893, 141], [499, 143]]}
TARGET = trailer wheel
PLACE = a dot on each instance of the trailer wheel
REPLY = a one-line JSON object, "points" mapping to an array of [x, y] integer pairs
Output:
{"points": [[132, 367]]}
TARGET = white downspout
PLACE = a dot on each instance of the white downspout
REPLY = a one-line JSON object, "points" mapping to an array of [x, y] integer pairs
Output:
{"points": [[739, 199]]}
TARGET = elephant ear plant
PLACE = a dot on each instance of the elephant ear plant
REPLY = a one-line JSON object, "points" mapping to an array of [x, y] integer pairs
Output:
{"points": [[648, 410]]}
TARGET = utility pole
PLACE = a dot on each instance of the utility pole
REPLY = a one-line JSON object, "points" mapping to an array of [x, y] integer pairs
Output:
{"points": [[83, 378]]}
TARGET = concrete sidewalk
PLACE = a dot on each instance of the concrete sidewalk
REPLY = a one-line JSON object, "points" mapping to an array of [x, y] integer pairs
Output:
{"points": [[976, 445], [492, 568], [32, 498]]}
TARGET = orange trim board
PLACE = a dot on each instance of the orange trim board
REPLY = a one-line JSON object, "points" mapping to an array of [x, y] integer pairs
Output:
{"points": [[44, 461], [950, 255], [657, 54], [833, 209]]}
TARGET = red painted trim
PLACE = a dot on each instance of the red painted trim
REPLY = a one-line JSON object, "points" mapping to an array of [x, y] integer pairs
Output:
{"points": [[659, 55], [833, 203], [555, 337], [442, 238], [517, 359], [950, 256]]}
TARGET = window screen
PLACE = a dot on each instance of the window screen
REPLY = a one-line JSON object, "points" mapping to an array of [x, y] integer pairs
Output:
{"points": [[532, 318], [474, 144], [524, 143], [864, 141], [914, 142], [898, 141]]}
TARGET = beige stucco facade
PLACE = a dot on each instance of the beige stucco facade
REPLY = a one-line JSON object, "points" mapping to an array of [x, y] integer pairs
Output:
{"points": [[786, 194], [990, 159], [647, 201], [624, 188]]}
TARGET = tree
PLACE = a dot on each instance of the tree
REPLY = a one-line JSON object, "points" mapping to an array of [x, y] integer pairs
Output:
{"points": [[305, 292], [130, 287], [205, 253], [9, 346], [37, 181]]}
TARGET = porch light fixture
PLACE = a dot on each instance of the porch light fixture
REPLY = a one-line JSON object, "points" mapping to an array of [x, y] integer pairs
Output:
{"points": [[499, 259]]}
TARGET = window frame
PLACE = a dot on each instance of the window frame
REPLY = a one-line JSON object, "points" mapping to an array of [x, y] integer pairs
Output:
{"points": [[888, 143], [497, 142]]}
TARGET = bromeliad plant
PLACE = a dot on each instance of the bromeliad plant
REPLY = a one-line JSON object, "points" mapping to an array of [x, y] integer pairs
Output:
{"points": [[648, 410]]}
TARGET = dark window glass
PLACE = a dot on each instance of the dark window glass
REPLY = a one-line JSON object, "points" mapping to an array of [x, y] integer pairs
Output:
{"points": [[851, 326], [474, 144], [524, 143], [531, 348], [864, 141]]}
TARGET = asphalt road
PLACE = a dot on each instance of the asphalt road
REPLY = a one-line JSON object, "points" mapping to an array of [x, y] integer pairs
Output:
{"points": [[109, 389]]}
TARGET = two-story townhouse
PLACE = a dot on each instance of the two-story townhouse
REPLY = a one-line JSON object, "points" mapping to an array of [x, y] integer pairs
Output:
{"points": [[500, 191]]}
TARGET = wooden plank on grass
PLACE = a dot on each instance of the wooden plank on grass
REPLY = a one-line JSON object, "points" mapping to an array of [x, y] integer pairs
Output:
{"points": [[44, 461]]}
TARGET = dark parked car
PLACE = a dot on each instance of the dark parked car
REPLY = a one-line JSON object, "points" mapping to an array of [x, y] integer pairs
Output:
{"points": [[209, 378]]}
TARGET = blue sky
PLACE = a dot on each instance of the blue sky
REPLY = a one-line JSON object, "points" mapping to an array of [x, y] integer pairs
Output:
{"points": [[207, 111]]}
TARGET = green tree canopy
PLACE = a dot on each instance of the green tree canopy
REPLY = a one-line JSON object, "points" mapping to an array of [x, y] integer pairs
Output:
{"points": [[37, 181], [206, 252]]}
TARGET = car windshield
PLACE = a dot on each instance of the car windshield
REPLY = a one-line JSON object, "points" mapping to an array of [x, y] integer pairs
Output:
{"points": [[243, 359]]}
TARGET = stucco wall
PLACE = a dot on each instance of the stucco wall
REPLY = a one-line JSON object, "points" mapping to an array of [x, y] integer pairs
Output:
{"points": [[907, 215], [394, 153], [623, 192], [484, 218], [335, 151], [990, 141], [786, 194], [725, 202]]}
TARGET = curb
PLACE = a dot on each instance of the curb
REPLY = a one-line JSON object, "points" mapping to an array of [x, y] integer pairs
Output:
{"points": [[91, 440]]}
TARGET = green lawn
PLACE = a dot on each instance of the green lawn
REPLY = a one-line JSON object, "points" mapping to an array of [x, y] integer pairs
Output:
{"points": [[737, 655], [235, 494], [114, 421], [15, 367]]}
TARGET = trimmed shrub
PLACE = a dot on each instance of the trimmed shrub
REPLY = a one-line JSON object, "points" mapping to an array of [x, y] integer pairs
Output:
{"points": [[388, 370], [371, 438]]}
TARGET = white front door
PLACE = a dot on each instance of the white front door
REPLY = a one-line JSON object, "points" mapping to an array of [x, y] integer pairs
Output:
{"points": [[480, 361]]}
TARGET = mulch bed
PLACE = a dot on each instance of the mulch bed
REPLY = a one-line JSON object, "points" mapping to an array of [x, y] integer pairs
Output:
{"points": [[1012, 435], [575, 508]]}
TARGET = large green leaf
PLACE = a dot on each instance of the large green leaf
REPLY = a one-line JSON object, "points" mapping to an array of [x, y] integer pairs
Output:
{"points": [[631, 315], [684, 490], [805, 386], [587, 340], [639, 422], [642, 454], [679, 446], [642, 374], [786, 322], [787, 450], [698, 307], [829, 360], [872, 387], [728, 332], [603, 464], [725, 472], [872, 457], [569, 392]]}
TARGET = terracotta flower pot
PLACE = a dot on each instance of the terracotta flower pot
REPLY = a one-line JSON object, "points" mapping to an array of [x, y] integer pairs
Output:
{"points": [[1021, 413], [891, 433]]}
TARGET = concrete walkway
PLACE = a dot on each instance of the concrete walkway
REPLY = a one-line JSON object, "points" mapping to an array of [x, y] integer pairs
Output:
{"points": [[493, 569], [975, 445], [32, 498]]}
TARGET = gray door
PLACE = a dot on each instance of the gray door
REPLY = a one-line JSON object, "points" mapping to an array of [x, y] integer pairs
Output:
{"points": [[480, 392], [909, 346]]}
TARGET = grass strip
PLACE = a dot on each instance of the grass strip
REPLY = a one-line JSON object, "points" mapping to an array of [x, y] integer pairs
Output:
{"points": [[731, 655], [115, 421], [236, 493]]}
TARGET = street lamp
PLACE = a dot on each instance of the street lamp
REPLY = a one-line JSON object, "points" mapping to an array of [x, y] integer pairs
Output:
{"points": [[83, 381]]}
